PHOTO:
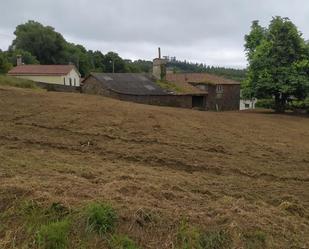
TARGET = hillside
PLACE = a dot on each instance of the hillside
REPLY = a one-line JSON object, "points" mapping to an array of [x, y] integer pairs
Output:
{"points": [[173, 175]]}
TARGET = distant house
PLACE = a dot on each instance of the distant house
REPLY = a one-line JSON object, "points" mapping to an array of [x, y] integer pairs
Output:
{"points": [[66, 75], [246, 104], [200, 91], [222, 94]]}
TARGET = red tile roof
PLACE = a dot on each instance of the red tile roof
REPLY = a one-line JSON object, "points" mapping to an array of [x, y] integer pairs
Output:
{"points": [[41, 70], [199, 78]]}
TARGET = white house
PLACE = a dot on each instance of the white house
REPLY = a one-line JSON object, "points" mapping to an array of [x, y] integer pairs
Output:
{"points": [[52, 74]]}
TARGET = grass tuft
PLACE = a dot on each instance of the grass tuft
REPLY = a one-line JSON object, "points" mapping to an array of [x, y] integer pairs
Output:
{"points": [[101, 218], [54, 235], [188, 236], [169, 86], [16, 82], [255, 240], [122, 242], [215, 240]]}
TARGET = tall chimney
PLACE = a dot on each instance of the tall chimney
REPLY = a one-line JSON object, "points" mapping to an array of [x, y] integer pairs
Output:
{"points": [[159, 67], [19, 60]]}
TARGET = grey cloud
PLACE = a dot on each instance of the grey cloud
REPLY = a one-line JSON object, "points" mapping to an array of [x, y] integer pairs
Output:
{"points": [[198, 30]]}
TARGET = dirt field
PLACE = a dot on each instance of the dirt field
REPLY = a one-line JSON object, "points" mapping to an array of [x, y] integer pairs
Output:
{"points": [[246, 173]]}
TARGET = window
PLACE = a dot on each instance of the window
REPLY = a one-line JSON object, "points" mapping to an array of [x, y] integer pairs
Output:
{"points": [[219, 89], [64, 80], [74, 82], [247, 106], [70, 81]]}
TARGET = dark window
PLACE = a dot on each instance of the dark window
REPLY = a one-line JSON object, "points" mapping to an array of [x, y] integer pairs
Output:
{"points": [[74, 82], [70, 81], [64, 80], [198, 101], [247, 105]]}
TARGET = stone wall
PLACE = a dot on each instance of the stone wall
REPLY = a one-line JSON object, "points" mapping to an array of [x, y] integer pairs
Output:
{"points": [[58, 87], [228, 100]]}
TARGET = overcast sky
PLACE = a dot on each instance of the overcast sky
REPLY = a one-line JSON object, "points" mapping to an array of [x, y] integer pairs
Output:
{"points": [[207, 31]]}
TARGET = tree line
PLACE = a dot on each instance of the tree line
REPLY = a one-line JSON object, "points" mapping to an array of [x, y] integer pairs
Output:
{"points": [[39, 44]]}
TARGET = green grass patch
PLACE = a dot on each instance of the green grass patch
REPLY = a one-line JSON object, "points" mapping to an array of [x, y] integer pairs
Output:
{"points": [[16, 82], [169, 86], [101, 218], [215, 240], [54, 235], [122, 242], [189, 237], [255, 240]]}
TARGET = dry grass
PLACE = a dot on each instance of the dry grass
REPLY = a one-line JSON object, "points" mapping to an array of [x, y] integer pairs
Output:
{"points": [[243, 173]]}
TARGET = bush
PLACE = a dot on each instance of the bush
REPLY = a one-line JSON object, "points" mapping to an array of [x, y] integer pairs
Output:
{"points": [[265, 103], [16, 82], [122, 242], [101, 218], [300, 105], [54, 235]]}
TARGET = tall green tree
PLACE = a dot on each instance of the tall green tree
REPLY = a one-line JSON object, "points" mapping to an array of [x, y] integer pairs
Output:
{"points": [[41, 41], [278, 62]]}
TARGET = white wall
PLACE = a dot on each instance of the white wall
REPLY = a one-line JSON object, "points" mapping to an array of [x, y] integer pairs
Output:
{"points": [[74, 76], [246, 104]]}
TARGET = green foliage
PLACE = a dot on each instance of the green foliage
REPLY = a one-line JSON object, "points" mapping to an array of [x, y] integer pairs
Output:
{"points": [[27, 57], [16, 82], [278, 62], [101, 218], [54, 235], [255, 240], [122, 242], [265, 103], [187, 67], [169, 86], [215, 240], [41, 41], [5, 66], [300, 105]]}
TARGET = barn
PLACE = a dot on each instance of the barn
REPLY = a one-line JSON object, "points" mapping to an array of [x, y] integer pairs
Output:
{"points": [[141, 88], [190, 90]]}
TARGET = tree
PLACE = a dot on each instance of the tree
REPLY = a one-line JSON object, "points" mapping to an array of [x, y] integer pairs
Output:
{"points": [[278, 62], [113, 62], [5, 66], [27, 57]]}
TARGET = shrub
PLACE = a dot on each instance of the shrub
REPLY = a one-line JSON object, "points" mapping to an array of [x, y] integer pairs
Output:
{"points": [[122, 242], [300, 105], [265, 103], [101, 218], [215, 240], [54, 235]]}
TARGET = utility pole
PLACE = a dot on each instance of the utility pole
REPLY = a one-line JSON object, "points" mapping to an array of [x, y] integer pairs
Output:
{"points": [[113, 64]]}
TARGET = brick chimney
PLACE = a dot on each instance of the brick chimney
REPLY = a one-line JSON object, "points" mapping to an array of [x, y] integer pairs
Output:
{"points": [[159, 67], [19, 60]]}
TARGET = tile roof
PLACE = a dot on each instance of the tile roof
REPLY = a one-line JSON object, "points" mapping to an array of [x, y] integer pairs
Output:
{"points": [[129, 83], [56, 70], [199, 78]]}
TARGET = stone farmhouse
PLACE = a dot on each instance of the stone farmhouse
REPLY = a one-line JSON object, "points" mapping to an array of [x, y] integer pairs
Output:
{"points": [[201, 91]]}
